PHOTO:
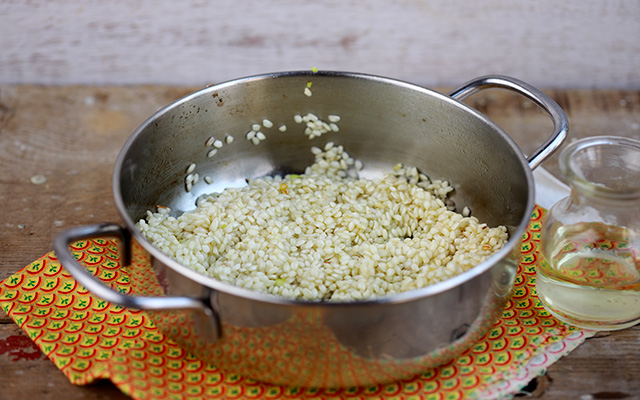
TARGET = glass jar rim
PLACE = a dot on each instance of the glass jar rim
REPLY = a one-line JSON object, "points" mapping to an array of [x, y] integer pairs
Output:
{"points": [[578, 180]]}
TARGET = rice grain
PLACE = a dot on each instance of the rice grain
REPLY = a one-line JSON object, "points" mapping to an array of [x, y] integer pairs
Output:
{"points": [[326, 235]]}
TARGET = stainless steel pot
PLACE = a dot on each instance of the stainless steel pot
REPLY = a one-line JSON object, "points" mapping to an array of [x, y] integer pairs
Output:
{"points": [[383, 122]]}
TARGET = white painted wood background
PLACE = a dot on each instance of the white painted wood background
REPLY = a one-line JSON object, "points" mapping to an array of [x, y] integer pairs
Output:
{"points": [[549, 43]]}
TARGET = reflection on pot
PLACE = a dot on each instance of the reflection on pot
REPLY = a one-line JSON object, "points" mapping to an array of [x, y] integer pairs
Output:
{"points": [[325, 346]]}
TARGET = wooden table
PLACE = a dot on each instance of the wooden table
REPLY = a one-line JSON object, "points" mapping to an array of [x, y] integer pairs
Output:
{"points": [[72, 135]]}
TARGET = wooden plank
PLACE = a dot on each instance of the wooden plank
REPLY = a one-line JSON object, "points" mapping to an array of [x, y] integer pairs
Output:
{"points": [[604, 367], [573, 43], [590, 113], [72, 135], [27, 373]]}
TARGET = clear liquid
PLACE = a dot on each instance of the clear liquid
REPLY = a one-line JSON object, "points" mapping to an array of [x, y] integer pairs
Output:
{"points": [[591, 276]]}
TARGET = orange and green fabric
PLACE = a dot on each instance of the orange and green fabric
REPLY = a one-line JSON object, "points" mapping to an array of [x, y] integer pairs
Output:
{"points": [[89, 339]]}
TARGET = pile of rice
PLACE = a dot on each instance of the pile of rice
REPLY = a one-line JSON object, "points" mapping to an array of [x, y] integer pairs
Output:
{"points": [[327, 234]]}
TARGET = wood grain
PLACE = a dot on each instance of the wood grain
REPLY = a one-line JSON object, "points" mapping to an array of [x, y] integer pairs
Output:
{"points": [[573, 43], [72, 134], [38, 378]]}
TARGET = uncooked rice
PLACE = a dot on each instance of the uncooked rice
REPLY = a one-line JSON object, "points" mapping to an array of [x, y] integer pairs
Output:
{"points": [[327, 234]]}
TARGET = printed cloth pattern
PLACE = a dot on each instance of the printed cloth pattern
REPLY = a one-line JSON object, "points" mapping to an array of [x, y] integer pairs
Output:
{"points": [[89, 339]]}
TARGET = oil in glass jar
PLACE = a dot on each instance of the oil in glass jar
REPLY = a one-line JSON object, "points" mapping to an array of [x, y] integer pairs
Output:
{"points": [[590, 272]]}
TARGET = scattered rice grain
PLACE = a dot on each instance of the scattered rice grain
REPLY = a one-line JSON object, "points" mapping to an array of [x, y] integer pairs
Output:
{"points": [[38, 179]]}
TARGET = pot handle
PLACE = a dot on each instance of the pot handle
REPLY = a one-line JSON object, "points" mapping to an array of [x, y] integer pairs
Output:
{"points": [[559, 118], [61, 246]]}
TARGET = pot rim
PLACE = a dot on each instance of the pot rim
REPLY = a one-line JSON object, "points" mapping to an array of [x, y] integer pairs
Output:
{"points": [[410, 295]]}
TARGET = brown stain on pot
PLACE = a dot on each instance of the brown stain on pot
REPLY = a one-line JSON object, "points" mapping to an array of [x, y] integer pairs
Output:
{"points": [[218, 100]]}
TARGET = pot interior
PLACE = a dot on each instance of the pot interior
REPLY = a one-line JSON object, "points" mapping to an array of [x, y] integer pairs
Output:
{"points": [[382, 122]]}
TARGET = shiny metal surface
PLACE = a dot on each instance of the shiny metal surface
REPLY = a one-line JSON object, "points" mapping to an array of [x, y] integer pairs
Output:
{"points": [[208, 323], [559, 118], [383, 122]]}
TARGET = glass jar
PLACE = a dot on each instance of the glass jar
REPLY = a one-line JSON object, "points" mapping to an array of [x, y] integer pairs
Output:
{"points": [[589, 275]]}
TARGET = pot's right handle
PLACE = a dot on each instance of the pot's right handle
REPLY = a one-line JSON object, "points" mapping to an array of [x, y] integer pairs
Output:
{"points": [[559, 118]]}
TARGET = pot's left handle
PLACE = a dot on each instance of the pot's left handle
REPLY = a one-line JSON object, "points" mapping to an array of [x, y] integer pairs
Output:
{"points": [[68, 261]]}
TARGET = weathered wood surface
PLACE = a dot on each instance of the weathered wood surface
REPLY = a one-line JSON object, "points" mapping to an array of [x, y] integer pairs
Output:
{"points": [[570, 43], [72, 135]]}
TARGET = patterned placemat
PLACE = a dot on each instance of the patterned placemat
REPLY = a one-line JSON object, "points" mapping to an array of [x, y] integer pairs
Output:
{"points": [[88, 339]]}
